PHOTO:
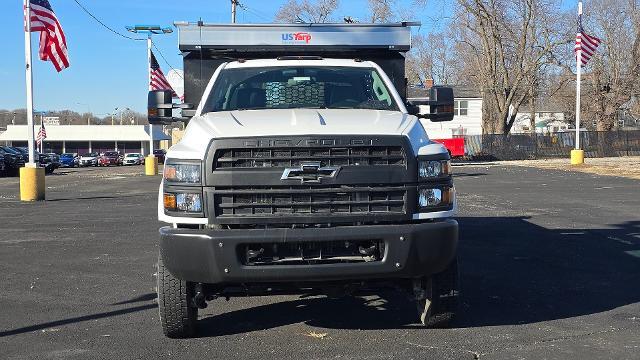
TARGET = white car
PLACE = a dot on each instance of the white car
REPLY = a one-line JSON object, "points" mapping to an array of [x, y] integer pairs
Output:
{"points": [[133, 159], [89, 159]]}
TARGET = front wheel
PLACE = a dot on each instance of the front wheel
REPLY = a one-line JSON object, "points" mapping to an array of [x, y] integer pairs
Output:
{"points": [[437, 297], [178, 314]]}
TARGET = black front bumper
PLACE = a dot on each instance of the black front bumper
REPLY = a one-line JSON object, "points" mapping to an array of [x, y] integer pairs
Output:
{"points": [[211, 256]]}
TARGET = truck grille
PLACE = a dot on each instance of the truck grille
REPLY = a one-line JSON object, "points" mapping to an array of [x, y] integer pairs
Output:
{"points": [[328, 156], [309, 200]]}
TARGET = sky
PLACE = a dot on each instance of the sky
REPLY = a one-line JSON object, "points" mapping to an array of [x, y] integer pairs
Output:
{"points": [[108, 71]]}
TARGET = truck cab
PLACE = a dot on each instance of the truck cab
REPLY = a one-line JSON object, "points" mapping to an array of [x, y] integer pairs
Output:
{"points": [[303, 170]]}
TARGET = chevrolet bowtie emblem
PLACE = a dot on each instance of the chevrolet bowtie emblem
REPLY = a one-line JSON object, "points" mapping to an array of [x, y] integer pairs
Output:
{"points": [[310, 172]]}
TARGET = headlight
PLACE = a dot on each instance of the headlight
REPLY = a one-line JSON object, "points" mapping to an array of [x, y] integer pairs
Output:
{"points": [[433, 169], [187, 202], [182, 173], [430, 198]]}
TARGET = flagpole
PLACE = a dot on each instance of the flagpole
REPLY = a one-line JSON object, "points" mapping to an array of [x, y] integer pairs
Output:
{"points": [[32, 183], [579, 75], [149, 44], [577, 155], [29, 80]]}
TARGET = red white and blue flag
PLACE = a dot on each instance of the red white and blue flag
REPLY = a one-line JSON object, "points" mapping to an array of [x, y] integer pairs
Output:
{"points": [[42, 134], [53, 44], [158, 80], [586, 44]]}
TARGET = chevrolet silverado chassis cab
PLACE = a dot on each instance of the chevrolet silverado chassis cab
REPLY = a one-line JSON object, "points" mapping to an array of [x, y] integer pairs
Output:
{"points": [[303, 170]]}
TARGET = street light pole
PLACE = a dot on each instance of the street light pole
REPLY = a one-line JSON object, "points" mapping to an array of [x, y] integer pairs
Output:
{"points": [[88, 112], [149, 30]]}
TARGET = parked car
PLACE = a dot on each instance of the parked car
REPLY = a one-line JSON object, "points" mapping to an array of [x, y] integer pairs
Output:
{"points": [[50, 162], [160, 154], [133, 159], [24, 152], [89, 159], [69, 160], [54, 158], [13, 160], [110, 158], [2, 165]]}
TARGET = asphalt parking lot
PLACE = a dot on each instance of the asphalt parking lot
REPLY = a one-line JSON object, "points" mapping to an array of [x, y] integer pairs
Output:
{"points": [[550, 269]]}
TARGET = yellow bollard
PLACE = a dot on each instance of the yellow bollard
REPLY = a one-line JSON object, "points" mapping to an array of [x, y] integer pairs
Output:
{"points": [[577, 157], [31, 183], [151, 165]]}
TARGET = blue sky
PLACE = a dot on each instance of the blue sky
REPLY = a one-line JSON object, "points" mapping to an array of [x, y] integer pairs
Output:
{"points": [[108, 71]]}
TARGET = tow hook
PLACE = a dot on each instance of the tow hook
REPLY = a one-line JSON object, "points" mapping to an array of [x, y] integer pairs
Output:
{"points": [[200, 299]]}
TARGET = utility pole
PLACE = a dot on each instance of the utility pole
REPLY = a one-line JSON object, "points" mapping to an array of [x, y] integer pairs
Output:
{"points": [[234, 4]]}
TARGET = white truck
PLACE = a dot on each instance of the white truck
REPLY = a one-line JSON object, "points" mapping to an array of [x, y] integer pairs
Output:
{"points": [[303, 170]]}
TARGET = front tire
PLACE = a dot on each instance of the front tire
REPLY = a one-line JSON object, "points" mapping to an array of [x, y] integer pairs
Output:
{"points": [[438, 307], [178, 315]]}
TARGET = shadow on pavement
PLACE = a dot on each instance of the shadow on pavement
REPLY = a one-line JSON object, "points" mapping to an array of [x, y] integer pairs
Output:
{"points": [[141, 298], [512, 272], [468, 174], [74, 320]]}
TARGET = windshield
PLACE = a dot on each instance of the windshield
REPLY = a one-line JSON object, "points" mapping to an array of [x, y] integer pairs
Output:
{"points": [[132, 155], [320, 87], [66, 155], [90, 155]]}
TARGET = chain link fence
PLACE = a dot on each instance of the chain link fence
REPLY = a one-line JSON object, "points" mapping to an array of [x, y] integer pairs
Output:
{"points": [[556, 145]]}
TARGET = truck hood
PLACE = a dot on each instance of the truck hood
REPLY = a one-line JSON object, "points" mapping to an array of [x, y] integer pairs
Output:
{"points": [[296, 122]]}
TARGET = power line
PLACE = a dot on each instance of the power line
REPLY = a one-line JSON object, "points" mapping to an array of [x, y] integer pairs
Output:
{"points": [[253, 12], [165, 59], [103, 24]]}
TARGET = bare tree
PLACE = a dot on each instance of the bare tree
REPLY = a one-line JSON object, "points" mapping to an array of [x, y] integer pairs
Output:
{"points": [[433, 57], [306, 11], [615, 69], [506, 44], [381, 11]]}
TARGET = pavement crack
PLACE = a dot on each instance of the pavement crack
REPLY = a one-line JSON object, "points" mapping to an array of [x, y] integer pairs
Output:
{"points": [[555, 339], [476, 355]]}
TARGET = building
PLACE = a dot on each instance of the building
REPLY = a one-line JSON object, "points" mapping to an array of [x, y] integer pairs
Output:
{"points": [[547, 120], [467, 118], [90, 138]]}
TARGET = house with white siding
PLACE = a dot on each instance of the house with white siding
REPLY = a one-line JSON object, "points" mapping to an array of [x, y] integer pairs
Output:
{"points": [[547, 119], [467, 118]]}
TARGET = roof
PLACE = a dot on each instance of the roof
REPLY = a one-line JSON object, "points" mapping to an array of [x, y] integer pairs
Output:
{"points": [[459, 92], [87, 133]]}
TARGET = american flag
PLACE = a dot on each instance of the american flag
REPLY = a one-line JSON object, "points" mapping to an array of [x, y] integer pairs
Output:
{"points": [[53, 44], [158, 81], [42, 134], [585, 43]]}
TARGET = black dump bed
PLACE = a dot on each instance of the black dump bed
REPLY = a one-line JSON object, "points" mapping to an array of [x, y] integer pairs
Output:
{"points": [[207, 46]]}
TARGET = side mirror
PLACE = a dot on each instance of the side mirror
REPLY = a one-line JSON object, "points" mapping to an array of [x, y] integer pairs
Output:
{"points": [[160, 108], [440, 105]]}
